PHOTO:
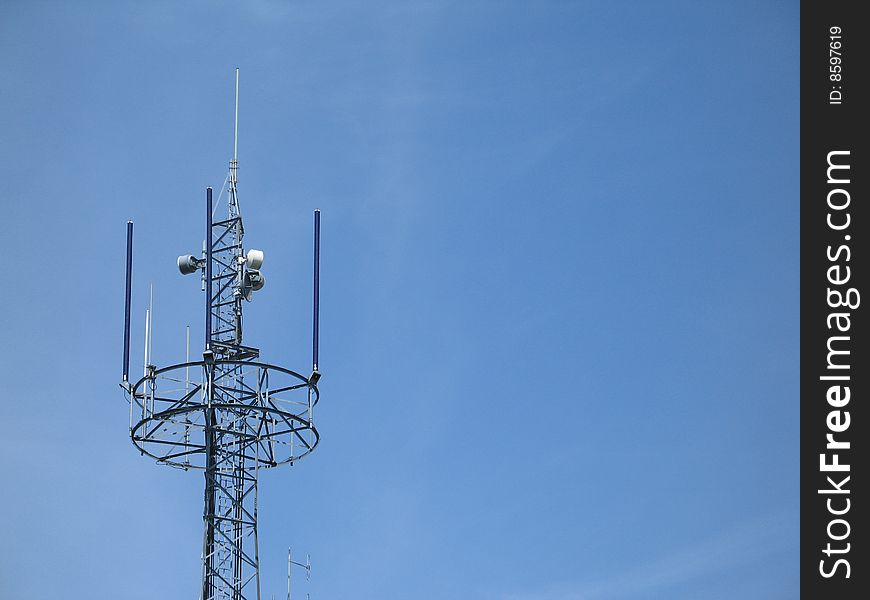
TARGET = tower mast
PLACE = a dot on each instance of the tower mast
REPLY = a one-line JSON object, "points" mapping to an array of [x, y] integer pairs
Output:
{"points": [[243, 416]]}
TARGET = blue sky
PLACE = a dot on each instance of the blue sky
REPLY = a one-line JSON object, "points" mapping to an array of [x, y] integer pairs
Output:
{"points": [[559, 305]]}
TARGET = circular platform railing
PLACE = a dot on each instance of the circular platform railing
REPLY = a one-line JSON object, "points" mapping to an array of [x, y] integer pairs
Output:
{"points": [[261, 412]]}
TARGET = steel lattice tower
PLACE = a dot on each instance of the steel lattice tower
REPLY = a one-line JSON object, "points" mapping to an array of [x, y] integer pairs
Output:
{"points": [[229, 414]]}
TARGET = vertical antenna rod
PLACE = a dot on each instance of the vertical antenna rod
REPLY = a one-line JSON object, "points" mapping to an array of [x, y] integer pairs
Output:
{"points": [[187, 358], [127, 297], [150, 322], [145, 356], [236, 124], [208, 215], [316, 333]]}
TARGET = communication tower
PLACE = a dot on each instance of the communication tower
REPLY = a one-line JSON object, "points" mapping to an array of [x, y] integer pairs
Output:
{"points": [[230, 414]]}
